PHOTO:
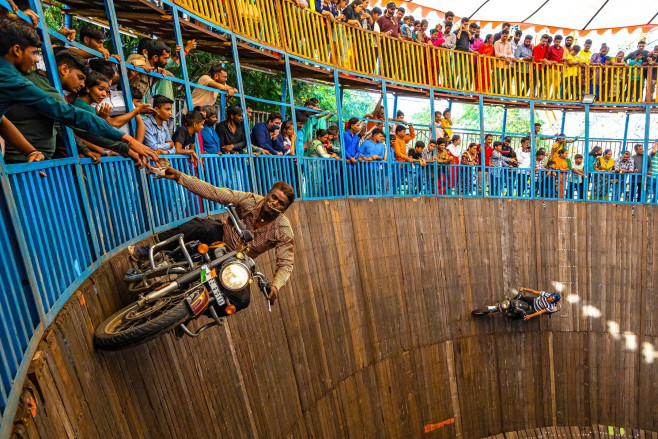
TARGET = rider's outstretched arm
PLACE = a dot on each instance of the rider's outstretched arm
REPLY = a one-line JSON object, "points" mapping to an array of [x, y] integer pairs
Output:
{"points": [[206, 190], [528, 290]]}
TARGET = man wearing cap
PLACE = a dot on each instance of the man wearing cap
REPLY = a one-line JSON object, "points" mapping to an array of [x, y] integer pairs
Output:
{"points": [[523, 52], [388, 23]]}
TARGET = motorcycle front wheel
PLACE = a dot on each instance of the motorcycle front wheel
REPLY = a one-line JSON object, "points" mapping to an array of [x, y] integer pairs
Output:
{"points": [[136, 324]]}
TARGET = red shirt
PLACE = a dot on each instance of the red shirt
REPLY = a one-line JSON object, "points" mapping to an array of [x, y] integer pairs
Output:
{"points": [[488, 150], [539, 52], [555, 53], [387, 24]]}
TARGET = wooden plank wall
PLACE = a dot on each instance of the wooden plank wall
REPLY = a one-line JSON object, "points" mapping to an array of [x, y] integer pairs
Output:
{"points": [[373, 337]]}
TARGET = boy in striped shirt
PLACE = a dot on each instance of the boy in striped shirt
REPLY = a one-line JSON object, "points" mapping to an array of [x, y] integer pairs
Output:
{"points": [[543, 303]]}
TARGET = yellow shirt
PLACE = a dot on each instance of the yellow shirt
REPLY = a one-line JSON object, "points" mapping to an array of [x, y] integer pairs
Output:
{"points": [[584, 57], [446, 125], [570, 70]]}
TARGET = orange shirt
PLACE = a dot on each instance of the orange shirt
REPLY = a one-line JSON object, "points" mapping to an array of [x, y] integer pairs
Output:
{"points": [[400, 146]]}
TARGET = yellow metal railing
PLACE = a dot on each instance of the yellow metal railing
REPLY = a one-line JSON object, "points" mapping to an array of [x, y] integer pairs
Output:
{"points": [[355, 49], [311, 36], [306, 34], [255, 19], [213, 11]]}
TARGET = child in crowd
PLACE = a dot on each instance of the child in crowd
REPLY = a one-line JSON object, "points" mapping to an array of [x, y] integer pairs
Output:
{"points": [[185, 135], [578, 168], [549, 181]]}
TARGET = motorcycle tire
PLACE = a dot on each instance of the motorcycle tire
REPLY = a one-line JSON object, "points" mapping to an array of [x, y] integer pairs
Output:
{"points": [[171, 313], [480, 312]]}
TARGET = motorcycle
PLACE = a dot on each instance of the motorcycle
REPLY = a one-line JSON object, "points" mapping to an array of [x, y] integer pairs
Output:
{"points": [[177, 286], [512, 308]]}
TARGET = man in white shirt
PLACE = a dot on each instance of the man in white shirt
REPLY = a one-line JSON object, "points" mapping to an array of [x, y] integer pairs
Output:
{"points": [[524, 158]]}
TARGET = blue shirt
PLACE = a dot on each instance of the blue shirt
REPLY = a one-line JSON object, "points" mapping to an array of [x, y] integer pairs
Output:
{"points": [[210, 140], [351, 142], [370, 148], [260, 136], [156, 137], [299, 143], [17, 89]]}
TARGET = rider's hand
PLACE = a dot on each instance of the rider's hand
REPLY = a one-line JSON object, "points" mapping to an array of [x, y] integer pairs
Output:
{"points": [[274, 293], [171, 174], [526, 317]]}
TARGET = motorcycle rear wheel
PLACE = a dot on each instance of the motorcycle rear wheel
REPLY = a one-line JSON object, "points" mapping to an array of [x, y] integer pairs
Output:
{"points": [[134, 324]]}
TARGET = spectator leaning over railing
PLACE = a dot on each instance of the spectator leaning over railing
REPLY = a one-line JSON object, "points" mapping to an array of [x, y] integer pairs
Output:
{"points": [[231, 132], [401, 140], [374, 149], [94, 38], [605, 163], [45, 134], [157, 57], [388, 23], [97, 88], [638, 161], [515, 40], [477, 41], [351, 140], [261, 135], [209, 137], [158, 132], [523, 52], [19, 46], [317, 149], [185, 135], [300, 139], [625, 165], [449, 38], [334, 140], [464, 39], [217, 78], [503, 51]]}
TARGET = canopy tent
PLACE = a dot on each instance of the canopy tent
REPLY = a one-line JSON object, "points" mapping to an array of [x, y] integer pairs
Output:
{"points": [[567, 15]]}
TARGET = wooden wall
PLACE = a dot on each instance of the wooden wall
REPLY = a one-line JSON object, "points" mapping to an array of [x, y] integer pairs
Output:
{"points": [[373, 337]]}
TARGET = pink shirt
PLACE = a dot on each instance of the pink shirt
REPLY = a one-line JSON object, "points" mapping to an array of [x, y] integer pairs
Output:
{"points": [[503, 50]]}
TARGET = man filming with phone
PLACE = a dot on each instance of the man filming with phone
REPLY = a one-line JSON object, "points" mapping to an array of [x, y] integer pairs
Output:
{"points": [[263, 216]]}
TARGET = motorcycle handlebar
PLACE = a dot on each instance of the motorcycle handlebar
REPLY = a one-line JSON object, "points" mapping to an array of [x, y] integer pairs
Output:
{"points": [[244, 234]]}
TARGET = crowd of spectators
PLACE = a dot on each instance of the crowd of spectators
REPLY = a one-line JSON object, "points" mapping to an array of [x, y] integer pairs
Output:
{"points": [[510, 46], [93, 107]]}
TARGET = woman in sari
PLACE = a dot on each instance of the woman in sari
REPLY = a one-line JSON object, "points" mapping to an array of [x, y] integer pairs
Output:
{"points": [[484, 64], [562, 165], [468, 177], [605, 163]]}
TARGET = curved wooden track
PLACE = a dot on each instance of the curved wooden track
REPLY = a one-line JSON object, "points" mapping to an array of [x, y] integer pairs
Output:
{"points": [[373, 336]]}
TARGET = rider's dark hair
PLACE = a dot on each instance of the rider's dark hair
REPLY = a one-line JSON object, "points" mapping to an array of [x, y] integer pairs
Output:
{"points": [[286, 189]]}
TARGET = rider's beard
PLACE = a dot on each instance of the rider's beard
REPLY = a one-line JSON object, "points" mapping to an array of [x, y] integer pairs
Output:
{"points": [[269, 212]]}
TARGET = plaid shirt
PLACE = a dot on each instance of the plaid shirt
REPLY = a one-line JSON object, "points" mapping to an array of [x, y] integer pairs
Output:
{"points": [[621, 165], [276, 234]]}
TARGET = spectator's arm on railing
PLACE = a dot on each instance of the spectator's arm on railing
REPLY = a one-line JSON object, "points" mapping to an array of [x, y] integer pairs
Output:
{"points": [[12, 135]]}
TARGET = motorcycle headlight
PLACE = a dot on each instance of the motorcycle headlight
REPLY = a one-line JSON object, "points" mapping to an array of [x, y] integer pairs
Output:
{"points": [[234, 276], [505, 304]]}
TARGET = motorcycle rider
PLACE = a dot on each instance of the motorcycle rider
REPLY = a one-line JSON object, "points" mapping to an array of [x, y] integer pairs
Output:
{"points": [[264, 216], [543, 303]]}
